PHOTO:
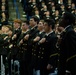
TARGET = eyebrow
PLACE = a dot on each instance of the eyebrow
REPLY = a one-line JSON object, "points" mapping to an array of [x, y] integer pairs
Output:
{"points": [[31, 20]]}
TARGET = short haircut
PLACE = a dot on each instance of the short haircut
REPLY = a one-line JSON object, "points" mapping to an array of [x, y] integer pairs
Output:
{"points": [[50, 22], [17, 21], [69, 17], [27, 22], [36, 19]]}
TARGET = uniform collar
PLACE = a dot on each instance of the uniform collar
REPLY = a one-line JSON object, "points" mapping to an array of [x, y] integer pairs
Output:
{"points": [[66, 27], [41, 32], [34, 27], [25, 31], [49, 33], [17, 28]]}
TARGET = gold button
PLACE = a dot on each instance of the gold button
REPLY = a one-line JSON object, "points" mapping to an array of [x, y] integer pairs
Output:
{"points": [[42, 48], [41, 57], [39, 52], [38, 56], [42, 52], [32, 49], [34, 54]]}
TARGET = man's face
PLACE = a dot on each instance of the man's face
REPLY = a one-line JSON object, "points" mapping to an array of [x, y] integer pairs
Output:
{"points": [[24, 26], [16, 25], [5, 29], [40, 26], [46, 27], [32, 22]]}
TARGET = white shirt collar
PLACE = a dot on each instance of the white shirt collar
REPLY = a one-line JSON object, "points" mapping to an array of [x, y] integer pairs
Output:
{"points": [[49, 33], [33, 27], [41, 32]]}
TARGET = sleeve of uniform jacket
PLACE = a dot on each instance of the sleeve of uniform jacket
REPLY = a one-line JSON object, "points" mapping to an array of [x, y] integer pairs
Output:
{"points": [[53, 53], [67, 49]]}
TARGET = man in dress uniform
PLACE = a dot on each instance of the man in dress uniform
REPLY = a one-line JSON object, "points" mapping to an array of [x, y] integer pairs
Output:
{"points": [[67, 46], [4, 45], [35, 47], [47, 54], [2, 52], [22, 48], [29, 40], [15, 36]]}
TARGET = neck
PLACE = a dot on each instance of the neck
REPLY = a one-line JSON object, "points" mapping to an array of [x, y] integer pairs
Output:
{"points": [[49, 31], [41, 30], [23, 30]]}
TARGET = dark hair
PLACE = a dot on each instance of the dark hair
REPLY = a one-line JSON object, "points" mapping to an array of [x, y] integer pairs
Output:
{"points": [[70, 18], [36, 19], [50, 22], [27, 22]]}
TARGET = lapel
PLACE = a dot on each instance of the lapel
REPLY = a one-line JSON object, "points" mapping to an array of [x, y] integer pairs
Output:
{"points": [[64, 33], [48, 37]]}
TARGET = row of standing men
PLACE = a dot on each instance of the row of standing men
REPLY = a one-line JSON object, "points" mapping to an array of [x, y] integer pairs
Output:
{"points": [[26, 45], [34, 46]]}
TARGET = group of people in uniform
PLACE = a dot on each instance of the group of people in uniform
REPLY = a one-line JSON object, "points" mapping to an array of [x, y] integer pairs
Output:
{"points": [[39, 47]]}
